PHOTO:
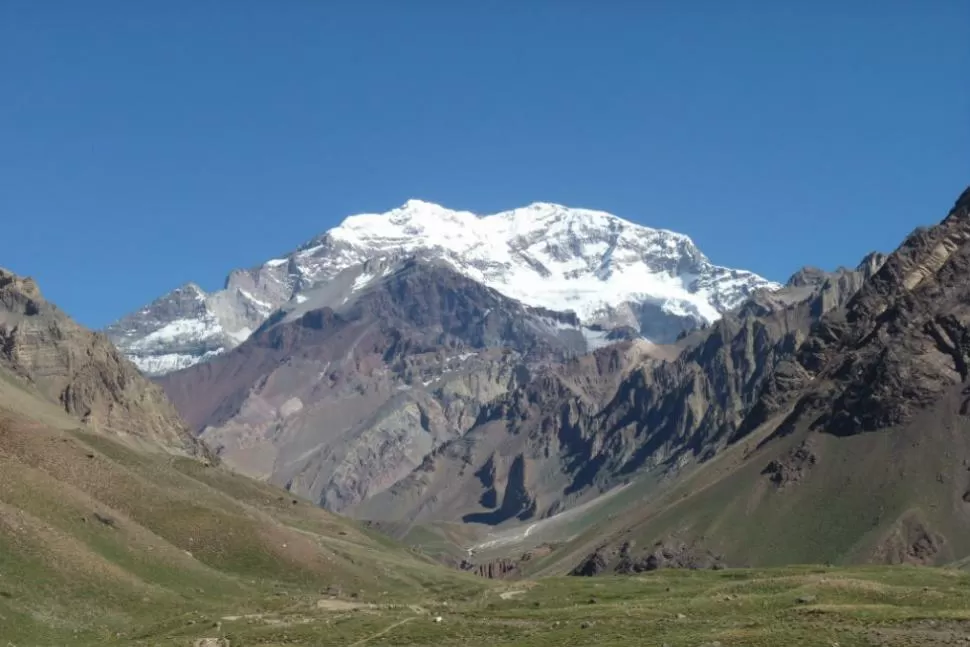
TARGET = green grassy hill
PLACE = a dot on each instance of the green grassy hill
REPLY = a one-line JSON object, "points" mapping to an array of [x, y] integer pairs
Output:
{"points": [[893, 497], [104, 542]]}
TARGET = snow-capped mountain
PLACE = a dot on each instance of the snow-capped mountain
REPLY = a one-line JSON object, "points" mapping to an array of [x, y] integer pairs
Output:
{"points": [[609, 271]]}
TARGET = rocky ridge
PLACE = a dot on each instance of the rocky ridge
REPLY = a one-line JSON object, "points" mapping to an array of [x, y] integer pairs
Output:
{"points": [[578, 429], [855, 447], [894, 349], [82, 372], [338, 397]]}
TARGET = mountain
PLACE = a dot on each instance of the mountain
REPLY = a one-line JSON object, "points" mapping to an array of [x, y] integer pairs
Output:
{"points": [[524, 456], [80, 371], [116, 529], [610, 272], [338, 396], [855, 448], [581, 428]]}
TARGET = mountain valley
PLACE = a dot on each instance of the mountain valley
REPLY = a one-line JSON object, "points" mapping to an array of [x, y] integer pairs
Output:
{"points": [[356, 412], [821, 421], [118, 527], [853, 449], [404, 393]]}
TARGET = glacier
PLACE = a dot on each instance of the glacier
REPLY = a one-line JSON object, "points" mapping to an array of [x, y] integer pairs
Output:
{"points": [[609, 271]]}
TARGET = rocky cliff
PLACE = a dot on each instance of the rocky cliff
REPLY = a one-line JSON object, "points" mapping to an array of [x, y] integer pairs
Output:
{"points": [[855, 448], [341, 395], [82, 371], [578, 429]]}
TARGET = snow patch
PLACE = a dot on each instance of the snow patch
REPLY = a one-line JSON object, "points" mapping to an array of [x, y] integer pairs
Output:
{"points": [[361, 281], [180, 329], [260, 304], [309, 251], [595, 338], [241, 335], [161, 364], [556, 257]]}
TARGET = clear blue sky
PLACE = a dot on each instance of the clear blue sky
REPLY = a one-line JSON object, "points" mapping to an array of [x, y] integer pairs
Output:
{"points": [[146, 144]]}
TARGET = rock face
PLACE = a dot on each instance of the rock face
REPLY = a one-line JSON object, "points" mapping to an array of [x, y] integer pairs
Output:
{"points": [[576, 430], [343, 394], [178, 330], [895, 349], [496, 569], [609, 271], [627, 560], [690, 408], [854, 448], [520, 456], [505, 567], [82, 371]]}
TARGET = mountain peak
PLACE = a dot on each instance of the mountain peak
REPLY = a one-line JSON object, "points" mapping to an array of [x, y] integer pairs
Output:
{"points": [[607, 270], [963, 202], [23, 285], [415, 204], [191, 288], [871, 263], [81, 371]]}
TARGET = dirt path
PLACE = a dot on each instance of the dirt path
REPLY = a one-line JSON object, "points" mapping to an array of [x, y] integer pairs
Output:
{"points": [[329, 604], [380, 633]]}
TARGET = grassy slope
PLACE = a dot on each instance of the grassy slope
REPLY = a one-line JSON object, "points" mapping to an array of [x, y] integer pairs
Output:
{"points": [[184, 551], [862, 490], [102, 542], [793, 606]]}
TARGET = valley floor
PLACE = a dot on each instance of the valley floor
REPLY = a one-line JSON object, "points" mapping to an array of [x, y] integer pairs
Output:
{"points": [[792, 606]]}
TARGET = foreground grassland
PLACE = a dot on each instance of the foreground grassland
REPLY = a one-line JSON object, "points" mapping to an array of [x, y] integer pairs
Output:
{"points": [[104, 545], [796, 606]]}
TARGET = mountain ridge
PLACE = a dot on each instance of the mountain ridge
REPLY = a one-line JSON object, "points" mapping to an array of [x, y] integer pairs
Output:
{"points": [[855, 448], [118, 528], [554, 445], [610, 271], [81, 371], [394, 357]]}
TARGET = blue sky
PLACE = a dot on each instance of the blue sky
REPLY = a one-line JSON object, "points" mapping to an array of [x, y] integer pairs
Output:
{"points": [[146, 144]]}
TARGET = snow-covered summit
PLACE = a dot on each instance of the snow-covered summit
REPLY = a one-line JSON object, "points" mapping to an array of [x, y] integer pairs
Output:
{"points": [[549, 255], [608, 270]]}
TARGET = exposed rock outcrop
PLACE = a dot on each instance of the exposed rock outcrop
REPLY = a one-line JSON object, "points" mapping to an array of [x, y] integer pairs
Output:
{"points": [[910, 541], [82, 371], [495, 569], [854, 446], [895, 348], [582, 428], [339, 397], [791, 467], [668, 553]]}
